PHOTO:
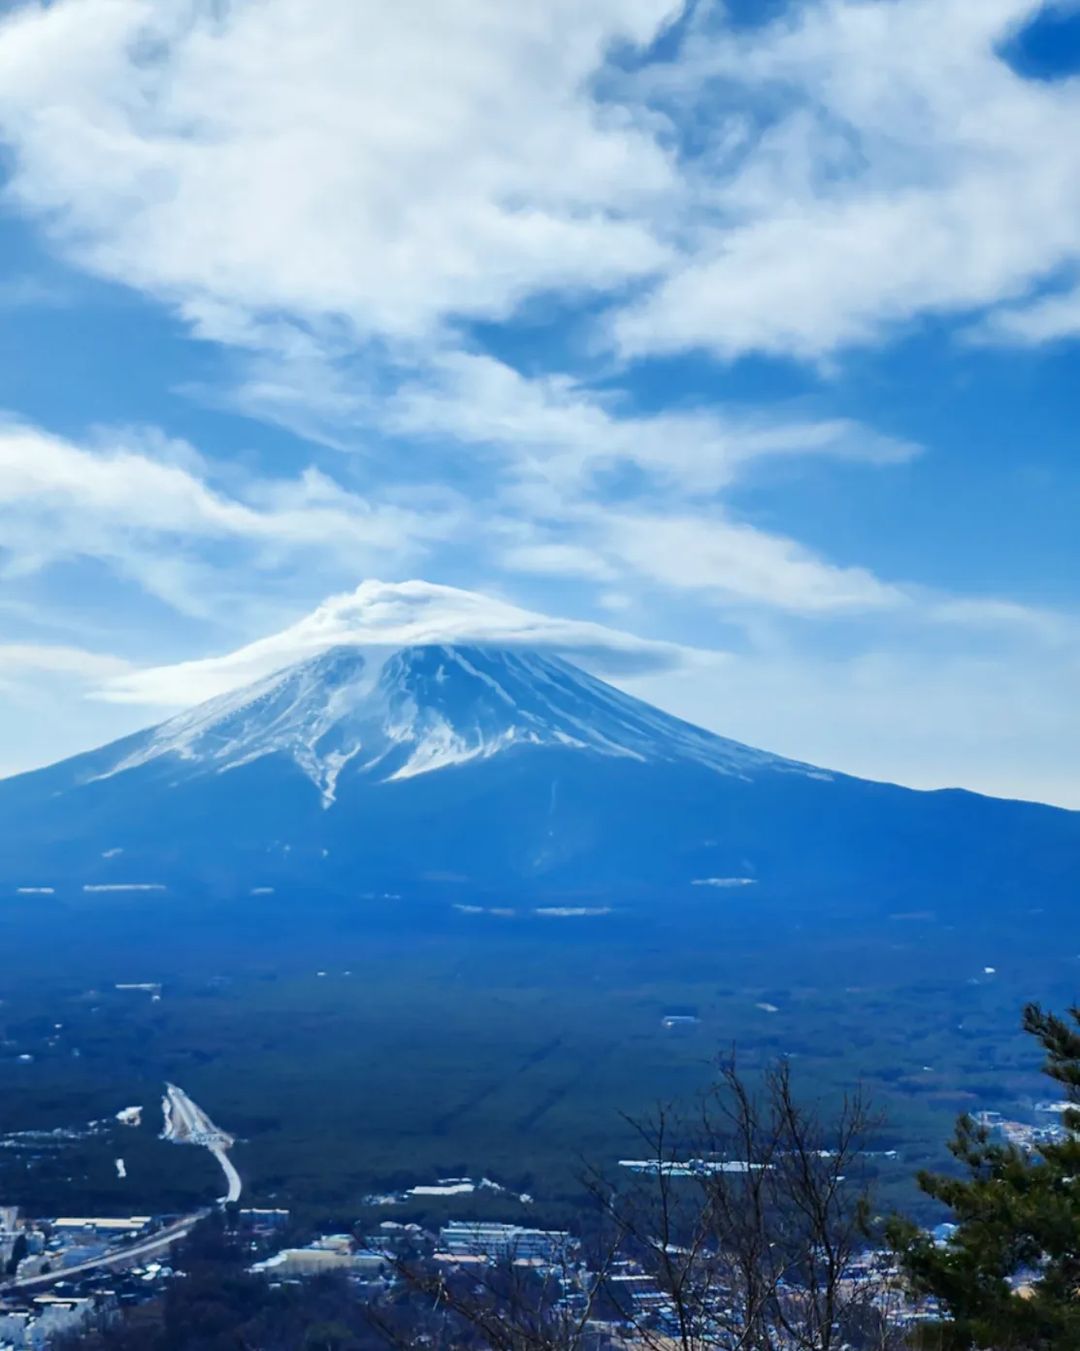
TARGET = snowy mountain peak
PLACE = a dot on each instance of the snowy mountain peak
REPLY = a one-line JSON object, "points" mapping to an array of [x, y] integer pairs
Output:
{"points": [[395, 714]]}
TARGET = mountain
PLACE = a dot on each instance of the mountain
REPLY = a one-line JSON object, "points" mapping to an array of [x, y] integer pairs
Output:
{"points": [[420, 710], [468, 769]]}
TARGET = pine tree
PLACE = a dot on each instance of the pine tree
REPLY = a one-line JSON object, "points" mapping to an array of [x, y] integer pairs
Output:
{"points": [[1009, 1277]]}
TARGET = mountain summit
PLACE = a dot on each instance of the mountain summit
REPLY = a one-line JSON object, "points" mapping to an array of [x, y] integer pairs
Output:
{"points": [[477, 768], [422, 709]]}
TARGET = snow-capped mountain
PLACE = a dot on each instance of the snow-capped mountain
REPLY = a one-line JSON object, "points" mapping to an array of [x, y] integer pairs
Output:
{"points": [[422, 709], [477, 769]]}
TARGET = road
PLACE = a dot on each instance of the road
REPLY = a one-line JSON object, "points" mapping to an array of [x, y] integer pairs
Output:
{"points": [[232, 1177], [152, 1246], [185, 1124]]}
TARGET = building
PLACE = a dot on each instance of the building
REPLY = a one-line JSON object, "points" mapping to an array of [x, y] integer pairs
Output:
{"points": [[504, 1242], [334, 1253], [36, 1327], [264, 1218], [132, 1224]]}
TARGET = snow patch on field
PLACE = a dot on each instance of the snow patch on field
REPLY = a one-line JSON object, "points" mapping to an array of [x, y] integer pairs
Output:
{"points": [[573, 911], [124, 886]]}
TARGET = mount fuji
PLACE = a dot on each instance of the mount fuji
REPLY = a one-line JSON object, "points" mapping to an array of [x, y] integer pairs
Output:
{"points": [[477, 769]]}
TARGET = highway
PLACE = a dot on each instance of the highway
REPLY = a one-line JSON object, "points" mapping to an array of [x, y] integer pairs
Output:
{"points": [[152, 1246]]}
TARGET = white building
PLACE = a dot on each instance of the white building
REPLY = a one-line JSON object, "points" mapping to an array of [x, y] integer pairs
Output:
{"points": [[504, 1242]]}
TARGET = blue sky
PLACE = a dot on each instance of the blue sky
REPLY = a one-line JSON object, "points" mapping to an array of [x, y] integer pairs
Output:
{"points": [[731, 349]]}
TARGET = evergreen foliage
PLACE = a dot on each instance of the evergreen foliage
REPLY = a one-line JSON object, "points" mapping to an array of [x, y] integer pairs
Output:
{"points": [[1009, 1277]]}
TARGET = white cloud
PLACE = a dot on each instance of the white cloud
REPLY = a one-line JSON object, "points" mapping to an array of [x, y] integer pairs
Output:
{"points": [[874, 162], [20, 659], [554, 429], [147, 508], [1040, 321], [554, 559], [736, 562], [428, 159], [854, 166], [578, 484], [389, 614]]}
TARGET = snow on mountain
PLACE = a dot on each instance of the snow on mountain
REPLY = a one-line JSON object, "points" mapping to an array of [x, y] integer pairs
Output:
{"points": [[397, 715], [475, 773]]}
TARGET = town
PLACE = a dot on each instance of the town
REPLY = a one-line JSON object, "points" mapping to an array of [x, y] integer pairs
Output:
{"points": [[67, 1275]]}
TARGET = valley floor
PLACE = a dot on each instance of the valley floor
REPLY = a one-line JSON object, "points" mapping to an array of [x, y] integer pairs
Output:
{"points": [[363, 1052]]}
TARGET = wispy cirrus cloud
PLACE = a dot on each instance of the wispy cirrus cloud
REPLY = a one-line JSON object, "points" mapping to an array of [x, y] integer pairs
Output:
{"points": [[149, 507], [809, 210], [555, 428], [17, 659], [739, 564], [1032, 323]]}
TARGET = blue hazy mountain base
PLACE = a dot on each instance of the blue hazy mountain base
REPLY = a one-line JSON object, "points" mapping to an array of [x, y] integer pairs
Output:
{"points": [[477, 770]]}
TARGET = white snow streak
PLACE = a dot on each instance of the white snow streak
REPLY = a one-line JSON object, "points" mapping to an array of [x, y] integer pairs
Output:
{"points": [[419, 710]]}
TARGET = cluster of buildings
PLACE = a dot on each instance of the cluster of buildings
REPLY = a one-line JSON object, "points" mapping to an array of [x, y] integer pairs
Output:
{"points": [[333, 1252], [60, 1276], [443, 1187], [458, 1243], [33, 1249], [55, 1278], [43, 1320], [1026, 1135], [610, 1305], [467, 1240]]}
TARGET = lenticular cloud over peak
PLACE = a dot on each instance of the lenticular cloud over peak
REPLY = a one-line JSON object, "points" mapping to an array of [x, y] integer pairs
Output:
{"points": [[391, 615]]}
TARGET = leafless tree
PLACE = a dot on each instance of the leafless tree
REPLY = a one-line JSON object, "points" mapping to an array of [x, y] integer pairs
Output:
{"points": [[752, 1219]]}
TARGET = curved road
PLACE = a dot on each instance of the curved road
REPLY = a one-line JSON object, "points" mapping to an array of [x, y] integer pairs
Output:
{"points": [[232, 1177], [185, 1123]]}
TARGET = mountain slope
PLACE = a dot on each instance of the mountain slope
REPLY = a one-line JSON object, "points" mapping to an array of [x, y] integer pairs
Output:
{"points": [[468, 768], [422, 709]]}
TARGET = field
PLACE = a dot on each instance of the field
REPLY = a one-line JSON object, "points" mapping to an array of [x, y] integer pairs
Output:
{"points": [[403, 1040]]}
